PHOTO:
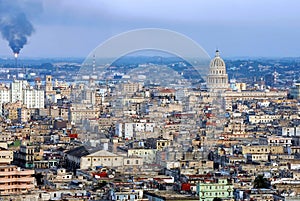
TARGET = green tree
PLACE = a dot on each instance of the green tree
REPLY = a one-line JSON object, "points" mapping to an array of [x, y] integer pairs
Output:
{"points": [[261, 182]]}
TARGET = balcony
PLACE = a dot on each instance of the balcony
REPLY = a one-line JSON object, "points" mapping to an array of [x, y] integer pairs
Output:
{"points": [[15, 192], [17, 186], [16, 172], [22, 179]]}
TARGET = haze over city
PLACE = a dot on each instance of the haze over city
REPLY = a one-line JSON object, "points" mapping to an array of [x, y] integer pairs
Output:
{"points": [[144, 100], [238, 28]]}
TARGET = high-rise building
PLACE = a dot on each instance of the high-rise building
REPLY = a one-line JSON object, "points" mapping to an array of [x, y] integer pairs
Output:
{"points": [[21, 91], [14, 180], [217, 79], [34, 98], [4, 94], [17, 90]]}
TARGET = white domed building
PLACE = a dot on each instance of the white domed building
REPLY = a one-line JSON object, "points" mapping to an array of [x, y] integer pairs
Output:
{"points": [[217, 79]]}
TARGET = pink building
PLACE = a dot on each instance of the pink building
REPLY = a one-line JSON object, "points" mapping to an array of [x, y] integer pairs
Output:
{"points": [[14, 180]]}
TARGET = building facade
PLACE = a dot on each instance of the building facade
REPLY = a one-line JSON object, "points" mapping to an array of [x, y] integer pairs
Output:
{"points": [[217, 79], [34, 98], [15, 181], [217, 188]]}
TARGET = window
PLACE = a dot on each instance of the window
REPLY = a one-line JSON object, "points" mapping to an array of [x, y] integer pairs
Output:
{"points": [[128, 162], [137, 162]]}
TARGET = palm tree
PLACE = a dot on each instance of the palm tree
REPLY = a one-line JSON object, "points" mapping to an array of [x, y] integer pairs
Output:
{"points": [[261, 182]]}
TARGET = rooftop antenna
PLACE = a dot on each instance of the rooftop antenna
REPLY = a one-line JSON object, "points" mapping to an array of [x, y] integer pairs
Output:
{"points": [[94, 63]]}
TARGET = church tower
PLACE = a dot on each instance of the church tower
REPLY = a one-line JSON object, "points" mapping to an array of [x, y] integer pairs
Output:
{"points": [[217, 79], [49, 86]]}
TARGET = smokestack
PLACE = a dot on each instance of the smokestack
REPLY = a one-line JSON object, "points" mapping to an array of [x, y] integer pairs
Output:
{"points": [[14, 25], [16, 60]]}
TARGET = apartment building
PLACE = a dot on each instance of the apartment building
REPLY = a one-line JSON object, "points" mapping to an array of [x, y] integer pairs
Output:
{"points": [[14, 180]]}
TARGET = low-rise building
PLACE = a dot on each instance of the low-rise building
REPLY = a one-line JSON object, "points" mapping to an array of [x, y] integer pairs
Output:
{"points": [[101, 158], [212, 188], [147, 154], [262, 149], [279, 141], [6, 156]]}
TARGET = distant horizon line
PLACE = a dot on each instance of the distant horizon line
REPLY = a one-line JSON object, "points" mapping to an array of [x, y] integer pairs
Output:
{"points": [[11, 57]]}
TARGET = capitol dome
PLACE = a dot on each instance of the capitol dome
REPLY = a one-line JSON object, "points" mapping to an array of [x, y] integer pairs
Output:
{"points": [[217, 79], [217, 61]]}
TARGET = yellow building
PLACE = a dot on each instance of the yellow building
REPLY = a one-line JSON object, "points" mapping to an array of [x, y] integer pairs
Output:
{"points": [[262, 149], [6, 156], [108, 159], [162, 143], [149, 155], [79, 112], [128, 88]]}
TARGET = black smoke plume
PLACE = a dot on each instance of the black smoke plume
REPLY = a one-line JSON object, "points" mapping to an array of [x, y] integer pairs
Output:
{"points": [[14, 25]]}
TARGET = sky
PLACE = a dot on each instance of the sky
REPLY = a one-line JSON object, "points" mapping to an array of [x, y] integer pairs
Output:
{"points": [[248, 28]]}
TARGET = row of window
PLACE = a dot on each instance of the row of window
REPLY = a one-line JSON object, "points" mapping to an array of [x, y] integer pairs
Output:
{"points": [[259, 157], [136, 162], [7, 169], [214, 194], [99, 159], [262, 149], [108, 159], [279, 141], [17, 183], [122, 197], [140, 153], [215, 187], [6, 157]]}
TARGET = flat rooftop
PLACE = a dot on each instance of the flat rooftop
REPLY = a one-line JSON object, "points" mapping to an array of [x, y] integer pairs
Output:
{"points": [[170, 195]]}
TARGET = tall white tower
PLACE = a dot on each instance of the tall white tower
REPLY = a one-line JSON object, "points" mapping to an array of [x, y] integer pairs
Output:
{"points": [[217, 79], [17, 87]]}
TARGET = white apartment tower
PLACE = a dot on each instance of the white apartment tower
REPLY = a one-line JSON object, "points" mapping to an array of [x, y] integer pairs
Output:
{"points": [[34, 98], [20, 90], [17, 87], [217, 79], [4, 94]]}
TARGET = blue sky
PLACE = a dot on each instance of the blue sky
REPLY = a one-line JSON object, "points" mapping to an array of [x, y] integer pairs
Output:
{"points": [[73, 28]]}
